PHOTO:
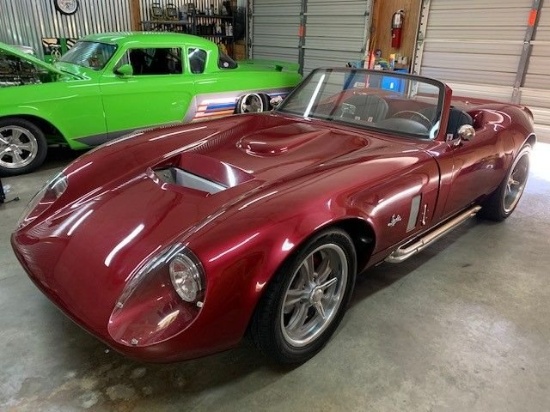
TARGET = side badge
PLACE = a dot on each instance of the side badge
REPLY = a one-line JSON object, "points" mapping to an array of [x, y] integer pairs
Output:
{"points": [[394, 220]]}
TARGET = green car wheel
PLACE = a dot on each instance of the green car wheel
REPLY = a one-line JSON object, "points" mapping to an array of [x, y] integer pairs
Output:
{"points": [[23, 146], [253, 103]]}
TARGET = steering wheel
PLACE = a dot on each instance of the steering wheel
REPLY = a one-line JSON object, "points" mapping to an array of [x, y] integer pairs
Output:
{"points": [[411, 114]]}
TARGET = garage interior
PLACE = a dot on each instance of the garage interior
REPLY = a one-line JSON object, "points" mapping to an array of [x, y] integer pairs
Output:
{"points": [[461, 326]]}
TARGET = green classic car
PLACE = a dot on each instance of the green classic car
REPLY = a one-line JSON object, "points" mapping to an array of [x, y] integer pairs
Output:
{"points": [[111, 84]]}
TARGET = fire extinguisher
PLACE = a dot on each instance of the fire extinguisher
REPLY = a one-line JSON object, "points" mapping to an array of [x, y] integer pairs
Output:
{"points": [[396, 27]]}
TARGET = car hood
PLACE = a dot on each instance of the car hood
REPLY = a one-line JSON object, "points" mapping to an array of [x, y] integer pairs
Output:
{"points": [[30, 58], [124, 203]]}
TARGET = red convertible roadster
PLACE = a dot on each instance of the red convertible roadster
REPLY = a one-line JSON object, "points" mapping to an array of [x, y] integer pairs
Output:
{"points": [[177, 242]]}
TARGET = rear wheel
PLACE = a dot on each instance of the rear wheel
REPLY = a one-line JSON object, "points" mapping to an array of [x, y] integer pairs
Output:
{"points": [[23, 146], [306, 300], [253, 103], [504, 200]]}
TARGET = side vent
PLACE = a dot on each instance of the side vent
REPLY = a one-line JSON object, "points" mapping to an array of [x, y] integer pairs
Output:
{"points": [[415, 207]]}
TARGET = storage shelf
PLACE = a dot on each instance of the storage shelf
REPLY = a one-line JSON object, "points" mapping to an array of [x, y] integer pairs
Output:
{"points": [[197, 24]]}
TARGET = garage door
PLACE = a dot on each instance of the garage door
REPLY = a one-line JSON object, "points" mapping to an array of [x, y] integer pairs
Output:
{"points": [[476, 47], [273, 29], [336, 32], [535, 92]]}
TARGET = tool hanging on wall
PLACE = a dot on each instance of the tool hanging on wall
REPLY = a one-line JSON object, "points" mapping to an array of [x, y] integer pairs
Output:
{"points": [[396, 28]]}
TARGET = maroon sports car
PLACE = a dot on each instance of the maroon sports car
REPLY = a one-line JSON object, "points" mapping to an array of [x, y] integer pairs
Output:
{"points": [[177, 242]]}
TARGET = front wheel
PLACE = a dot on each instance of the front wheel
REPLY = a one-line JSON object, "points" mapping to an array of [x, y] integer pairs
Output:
{"points": [[504, 200], [306, 300], [253, 103], [23, 147]]}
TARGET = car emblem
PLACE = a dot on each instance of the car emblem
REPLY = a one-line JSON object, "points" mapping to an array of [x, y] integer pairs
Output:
{"points": [[394, 220]]}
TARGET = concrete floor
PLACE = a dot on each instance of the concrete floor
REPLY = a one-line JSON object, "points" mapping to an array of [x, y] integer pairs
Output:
{"points": [[464, 326]]}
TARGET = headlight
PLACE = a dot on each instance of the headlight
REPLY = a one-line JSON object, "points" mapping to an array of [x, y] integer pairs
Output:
{"points": [[42, 200], [161, 299], [185, 277]]}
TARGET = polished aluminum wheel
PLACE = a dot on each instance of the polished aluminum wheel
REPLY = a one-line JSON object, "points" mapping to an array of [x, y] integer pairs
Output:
{"points": [[252, 103], [314, 295], [517, 180], [18, 147]]}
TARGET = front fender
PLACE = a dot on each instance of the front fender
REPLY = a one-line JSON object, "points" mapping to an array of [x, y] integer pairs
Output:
{"points": [[244, 247]]}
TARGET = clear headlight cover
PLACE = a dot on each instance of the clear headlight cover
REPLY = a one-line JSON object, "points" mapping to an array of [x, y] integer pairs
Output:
{"points": [[161, 299], [43, 199], [186, 277]]}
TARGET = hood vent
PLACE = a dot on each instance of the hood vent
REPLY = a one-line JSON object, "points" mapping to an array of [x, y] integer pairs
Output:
{"points": [[180, 177]]}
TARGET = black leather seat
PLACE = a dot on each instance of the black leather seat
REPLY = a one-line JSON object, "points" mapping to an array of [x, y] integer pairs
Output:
{"points": [[457, 118], [368, 107]]}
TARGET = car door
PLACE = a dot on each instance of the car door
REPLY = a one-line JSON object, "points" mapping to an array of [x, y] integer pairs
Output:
{"points": [[158, 91], [471, 169]]}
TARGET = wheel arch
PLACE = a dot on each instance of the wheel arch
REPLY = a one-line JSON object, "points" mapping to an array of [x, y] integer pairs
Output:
{"points": [[47, 127], [362, 236], [531, 140]]}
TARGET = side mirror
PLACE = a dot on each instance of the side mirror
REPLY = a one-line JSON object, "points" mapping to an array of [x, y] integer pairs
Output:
{"points": [[124, 71], [466, 132]]}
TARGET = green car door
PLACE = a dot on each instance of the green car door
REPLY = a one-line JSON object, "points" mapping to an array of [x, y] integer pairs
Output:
{"points": [[145, 87]]}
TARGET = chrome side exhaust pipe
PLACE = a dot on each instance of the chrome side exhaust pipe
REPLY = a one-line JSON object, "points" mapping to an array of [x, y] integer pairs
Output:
{"points": [[406, 251]]}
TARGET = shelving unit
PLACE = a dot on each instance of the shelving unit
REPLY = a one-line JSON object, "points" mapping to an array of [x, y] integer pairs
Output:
{"points": [[217, 28]]}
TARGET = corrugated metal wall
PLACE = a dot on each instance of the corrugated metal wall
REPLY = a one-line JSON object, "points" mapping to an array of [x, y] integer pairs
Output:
{"points": [[27, 21], [336, 32]]}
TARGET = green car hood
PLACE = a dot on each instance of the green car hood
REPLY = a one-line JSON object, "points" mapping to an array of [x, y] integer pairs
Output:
{"points": [[32, 59]]}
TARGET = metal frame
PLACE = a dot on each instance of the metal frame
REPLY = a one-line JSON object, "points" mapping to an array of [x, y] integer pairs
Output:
{"points": [[532, 24], [420, 36]]}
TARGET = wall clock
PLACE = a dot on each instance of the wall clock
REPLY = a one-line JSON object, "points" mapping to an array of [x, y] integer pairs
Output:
{"points": [[66, 6]]}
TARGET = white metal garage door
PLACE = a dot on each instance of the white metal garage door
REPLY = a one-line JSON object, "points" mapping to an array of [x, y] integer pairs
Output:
{"points": [[336, 32], [274, 29], [535, 92], [476, 47]]}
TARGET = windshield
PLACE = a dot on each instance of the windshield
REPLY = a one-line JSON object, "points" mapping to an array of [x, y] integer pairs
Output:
{"points": [[386, 101], [90, 54]]}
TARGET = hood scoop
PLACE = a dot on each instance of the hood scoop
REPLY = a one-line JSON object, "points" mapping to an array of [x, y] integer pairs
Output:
{"points": [[199, 172], [280, 139], [183, 178]]}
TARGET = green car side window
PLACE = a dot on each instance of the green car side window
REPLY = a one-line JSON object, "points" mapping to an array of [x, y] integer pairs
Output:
{"points": [[197, 60], [155, 61]]}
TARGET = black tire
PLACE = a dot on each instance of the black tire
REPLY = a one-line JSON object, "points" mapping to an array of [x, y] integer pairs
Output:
{"points": [[287, 324], [23, 146], [503, 201], [253, 103]]}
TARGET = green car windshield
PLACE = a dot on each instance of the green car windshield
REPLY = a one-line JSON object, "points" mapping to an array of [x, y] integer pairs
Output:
{"points": [[389, 102], [93, 55]]}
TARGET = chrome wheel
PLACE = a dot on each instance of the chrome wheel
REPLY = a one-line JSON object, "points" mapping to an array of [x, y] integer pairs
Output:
{"points": [[314, 295], [251, 103], [18, 147], [516, 182]]}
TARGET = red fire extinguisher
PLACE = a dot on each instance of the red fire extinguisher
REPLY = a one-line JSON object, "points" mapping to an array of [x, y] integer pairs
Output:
{"points": [[396, 26]]}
